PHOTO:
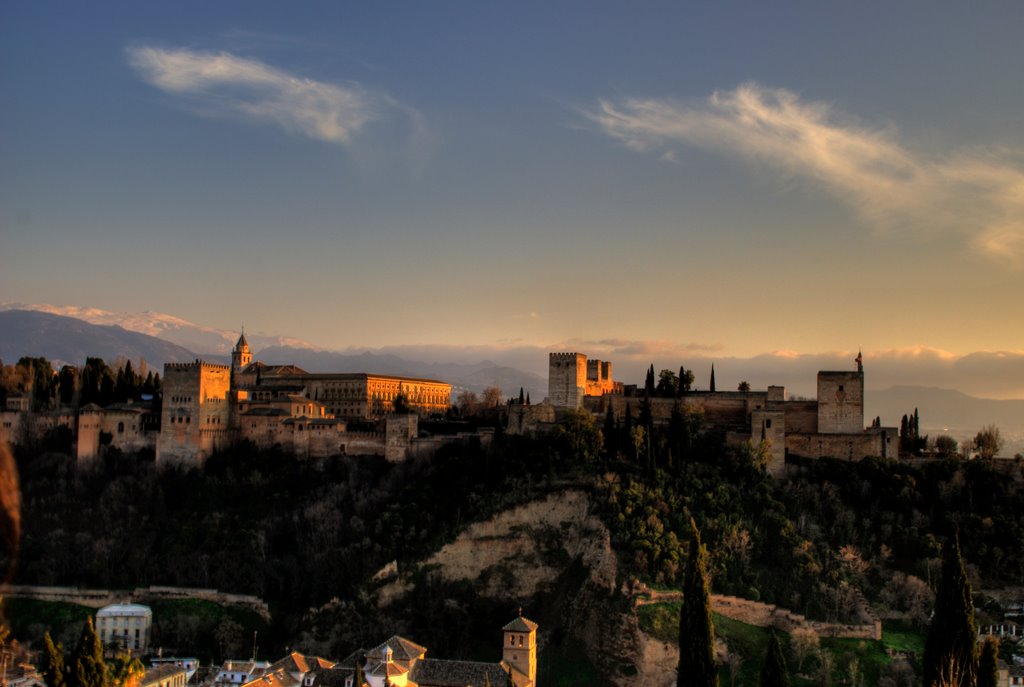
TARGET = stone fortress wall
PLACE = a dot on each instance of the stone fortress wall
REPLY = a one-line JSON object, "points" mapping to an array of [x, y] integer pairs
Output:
{"points": [[830, 426], [98, 598], [769, 615]]}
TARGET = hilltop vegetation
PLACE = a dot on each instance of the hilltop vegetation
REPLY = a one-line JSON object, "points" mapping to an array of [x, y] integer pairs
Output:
{"points": [[301, 533]]}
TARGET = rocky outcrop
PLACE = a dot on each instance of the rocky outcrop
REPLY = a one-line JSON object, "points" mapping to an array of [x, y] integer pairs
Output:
{"points": [[522, 551]]}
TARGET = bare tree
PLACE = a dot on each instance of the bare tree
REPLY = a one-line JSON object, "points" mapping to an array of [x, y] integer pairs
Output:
{"points": [[988, 442], [803, 642], [467, 403], [491, 397]]}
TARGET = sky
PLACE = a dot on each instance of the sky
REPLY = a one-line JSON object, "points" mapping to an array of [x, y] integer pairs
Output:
{"points": [[710, 179]]}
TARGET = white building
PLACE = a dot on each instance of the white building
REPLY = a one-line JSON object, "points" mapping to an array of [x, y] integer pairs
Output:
{"points": [[125, 625]]}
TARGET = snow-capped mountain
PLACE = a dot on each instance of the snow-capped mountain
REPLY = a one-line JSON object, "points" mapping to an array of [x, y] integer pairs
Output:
{"points": [[202, 340]]}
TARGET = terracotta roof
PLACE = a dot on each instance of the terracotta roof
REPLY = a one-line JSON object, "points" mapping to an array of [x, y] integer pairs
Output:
{"points": [[520, 624], [275, 678], [333, 677], [432, 672], [275, 370], [380, 668], [402, 649], [298, 663], [161, 672]]}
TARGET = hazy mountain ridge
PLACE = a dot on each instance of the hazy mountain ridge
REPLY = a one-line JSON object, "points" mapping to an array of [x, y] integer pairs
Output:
{"points": [[53, 332], [949, 410], [195, 337], [66, 340], [70, 339]]}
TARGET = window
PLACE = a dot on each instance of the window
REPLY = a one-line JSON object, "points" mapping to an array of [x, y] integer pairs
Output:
{"points": [[768, 424]]}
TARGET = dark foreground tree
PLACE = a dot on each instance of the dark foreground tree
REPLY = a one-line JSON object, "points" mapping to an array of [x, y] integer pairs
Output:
{"points": [[774, 672], [53, 663], [87, 667], [949, 652], [696, 629], [988, 664]]}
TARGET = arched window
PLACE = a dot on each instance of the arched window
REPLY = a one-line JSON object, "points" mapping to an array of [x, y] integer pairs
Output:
{"points": [[120, 428]]}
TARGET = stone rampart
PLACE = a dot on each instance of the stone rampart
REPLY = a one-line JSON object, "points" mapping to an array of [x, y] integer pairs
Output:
{"points": [[769, 615], [98, 598]]}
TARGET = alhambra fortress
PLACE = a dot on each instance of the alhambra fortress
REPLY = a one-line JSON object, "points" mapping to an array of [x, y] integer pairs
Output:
{"points": [[207, 407]]}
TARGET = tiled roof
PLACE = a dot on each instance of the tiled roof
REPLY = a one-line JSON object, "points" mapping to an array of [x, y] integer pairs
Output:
{"points": [[275, 370], [162, 672], [333, 677], [402, 649], [380, 668], [278, 677], [433, 672], [298, 663], [520, 624]]}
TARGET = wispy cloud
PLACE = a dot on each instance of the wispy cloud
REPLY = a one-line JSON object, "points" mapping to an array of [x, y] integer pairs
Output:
{"points": [[977, 195], [224, 85]]}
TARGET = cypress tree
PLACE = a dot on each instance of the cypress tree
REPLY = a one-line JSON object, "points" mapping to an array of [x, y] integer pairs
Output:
{"points": [[696, 629], [988, 664], [683, 386], [53, 663], [949, 652], [649, 382], [527, 398], [522, 397], [611, 441], [712, 376], [626, 435], [87, 668], [774, 672], [510, 682]]}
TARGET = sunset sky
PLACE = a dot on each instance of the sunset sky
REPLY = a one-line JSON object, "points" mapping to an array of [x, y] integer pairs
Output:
{"points": [[721, 178]]}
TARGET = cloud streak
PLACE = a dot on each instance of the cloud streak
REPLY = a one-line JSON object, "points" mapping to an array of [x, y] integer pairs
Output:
{"points": [[977, 196], [227, 86]]}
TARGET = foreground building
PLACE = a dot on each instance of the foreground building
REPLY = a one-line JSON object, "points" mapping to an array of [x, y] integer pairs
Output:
{"points": [[126, 625], [402, 663]]}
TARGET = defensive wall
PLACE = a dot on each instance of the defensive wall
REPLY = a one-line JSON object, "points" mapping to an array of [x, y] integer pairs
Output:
{"points": [[769, 615], [98, 598], [830, 426]]}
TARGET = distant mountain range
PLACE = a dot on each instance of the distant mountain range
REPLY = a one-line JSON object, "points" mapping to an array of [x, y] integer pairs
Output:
{"points": [[948, 410], [206, 341], [66, 340], [158, 338]]}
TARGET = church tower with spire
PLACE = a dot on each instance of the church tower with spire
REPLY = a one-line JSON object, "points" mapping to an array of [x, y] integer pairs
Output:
{"points": [[519, 651], [241, 356]]}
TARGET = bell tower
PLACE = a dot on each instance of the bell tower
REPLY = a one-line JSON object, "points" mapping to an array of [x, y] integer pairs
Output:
{"points": [[241, 356], [519, 650]]}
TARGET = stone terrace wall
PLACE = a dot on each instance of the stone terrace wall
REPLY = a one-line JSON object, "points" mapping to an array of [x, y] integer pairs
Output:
{"points": [[98, 598], [769, 615]]}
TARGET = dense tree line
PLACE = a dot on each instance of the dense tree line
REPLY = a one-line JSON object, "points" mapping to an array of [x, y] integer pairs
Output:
{"points": [[95, 382], [300, 533]]}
